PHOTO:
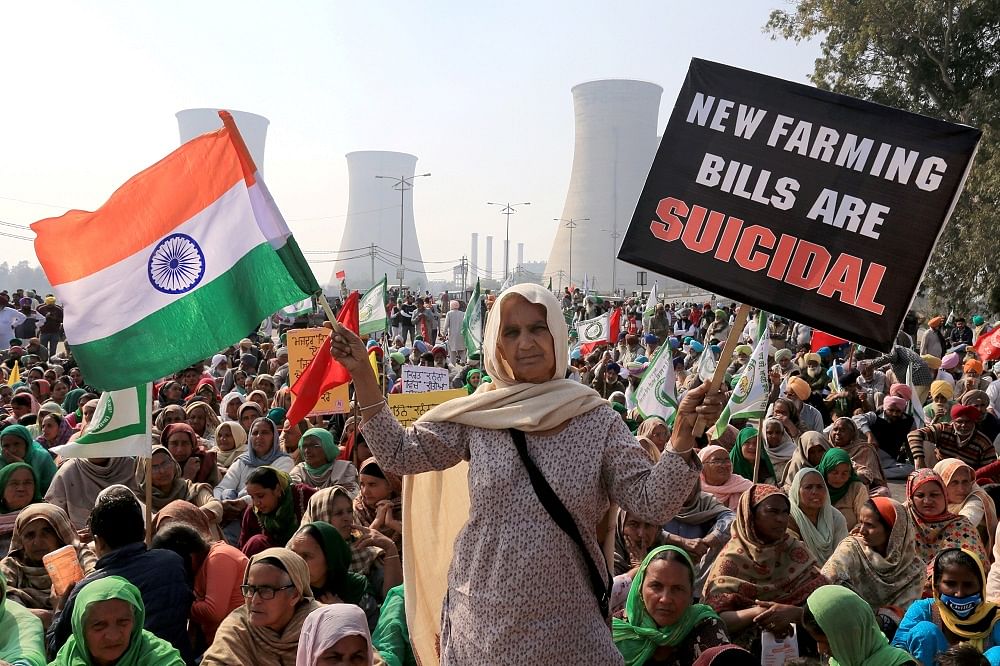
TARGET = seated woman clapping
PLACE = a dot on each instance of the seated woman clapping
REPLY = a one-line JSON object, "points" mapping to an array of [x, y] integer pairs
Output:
{"points": [[763, 575]]}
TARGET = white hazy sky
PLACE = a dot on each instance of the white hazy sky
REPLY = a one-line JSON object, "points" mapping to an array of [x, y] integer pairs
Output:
{"points": [[480, 92]]}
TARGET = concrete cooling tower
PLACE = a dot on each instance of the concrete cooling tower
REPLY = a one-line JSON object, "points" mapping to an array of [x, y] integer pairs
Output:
{"points": [[616, 139], [193, 122], [373, 217]]}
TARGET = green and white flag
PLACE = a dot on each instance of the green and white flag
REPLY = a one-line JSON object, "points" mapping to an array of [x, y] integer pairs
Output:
{"points": [[295, 309], [371, 309], [472, 324], [650, 302], [707, 362], [121, 427], [657, 392], [749, 397]]}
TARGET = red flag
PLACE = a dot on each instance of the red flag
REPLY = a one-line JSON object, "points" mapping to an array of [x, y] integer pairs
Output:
{"points": [[821, 339], [615, 326], [988, 346], [341, 275], [323, 372]]}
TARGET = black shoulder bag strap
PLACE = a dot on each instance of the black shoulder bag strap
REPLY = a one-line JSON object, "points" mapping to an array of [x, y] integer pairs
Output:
{"points": [[600, 584]]}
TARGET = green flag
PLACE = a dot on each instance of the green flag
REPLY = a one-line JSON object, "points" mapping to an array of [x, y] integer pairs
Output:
{"points": [[657, 392], [472, 325], [650, 302], [371, 309], [121, 427], [550, 283], [749, 397]]}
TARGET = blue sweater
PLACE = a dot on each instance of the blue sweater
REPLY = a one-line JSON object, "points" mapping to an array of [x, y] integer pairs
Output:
{"points": [[162, 581]]}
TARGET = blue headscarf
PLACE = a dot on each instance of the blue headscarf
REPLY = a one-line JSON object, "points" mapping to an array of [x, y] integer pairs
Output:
{"points": [[252, 459]]}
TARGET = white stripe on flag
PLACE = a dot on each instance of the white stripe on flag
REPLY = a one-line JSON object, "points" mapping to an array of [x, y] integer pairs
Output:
{"points": [[105, 302]]}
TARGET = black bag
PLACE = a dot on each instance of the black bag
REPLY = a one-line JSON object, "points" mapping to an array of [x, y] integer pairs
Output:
{"points": [[600, 584]]}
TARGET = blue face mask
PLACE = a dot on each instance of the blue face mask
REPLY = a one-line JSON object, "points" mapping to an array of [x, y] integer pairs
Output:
{"points": [[962, 607]]}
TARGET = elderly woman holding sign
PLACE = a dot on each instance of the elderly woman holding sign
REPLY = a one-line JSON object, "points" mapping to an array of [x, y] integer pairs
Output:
{"points": [[546, 460]]}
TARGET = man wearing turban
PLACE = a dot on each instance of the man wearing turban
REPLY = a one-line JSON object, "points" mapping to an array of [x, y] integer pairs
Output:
{"points": [[958, 439], [933, 342], [886, 429]]}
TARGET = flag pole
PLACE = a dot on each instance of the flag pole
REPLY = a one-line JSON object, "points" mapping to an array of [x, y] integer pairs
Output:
{"points": [[742, 314], [149, 501], [760, 443]]}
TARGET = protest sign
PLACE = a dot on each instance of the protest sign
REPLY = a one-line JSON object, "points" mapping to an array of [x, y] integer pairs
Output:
{"points": [[420, 379], [812, 205], [302, 345], [408, 407]]}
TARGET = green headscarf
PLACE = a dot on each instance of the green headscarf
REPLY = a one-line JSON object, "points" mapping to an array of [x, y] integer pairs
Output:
{"points": [[340, 580], [281, 524], [740, 464], [330, 449], [468, 385], [849, 625], [6, 472], [276, 415], [35, 455], [830, 460], [22, 638], [637, 636], [72, 400], [143, 648]]}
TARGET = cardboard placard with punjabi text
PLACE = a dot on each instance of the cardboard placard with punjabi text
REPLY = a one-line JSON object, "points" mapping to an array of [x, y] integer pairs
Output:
{"points": [[303, 344]]}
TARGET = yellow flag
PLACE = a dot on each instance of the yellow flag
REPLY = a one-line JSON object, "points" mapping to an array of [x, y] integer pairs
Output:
{"points": [[15, 374]]}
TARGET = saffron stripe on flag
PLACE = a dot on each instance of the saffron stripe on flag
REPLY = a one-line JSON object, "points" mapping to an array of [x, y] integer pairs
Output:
{"points": [[81, 242], [99, 304], [260, 280]]}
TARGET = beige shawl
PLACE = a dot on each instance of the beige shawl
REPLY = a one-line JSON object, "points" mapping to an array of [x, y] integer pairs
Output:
{"points": [[30, 584], [436, 504], [238, 641]]}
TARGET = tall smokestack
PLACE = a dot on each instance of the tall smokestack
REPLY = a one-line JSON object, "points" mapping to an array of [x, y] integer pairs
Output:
{"points": [[373, 217], [520, 254], [474, 258], [489, 257], [615, 143]]}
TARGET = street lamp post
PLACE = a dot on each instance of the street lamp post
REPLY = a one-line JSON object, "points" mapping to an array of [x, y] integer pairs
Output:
{"points": [[571, 225], [402, 183], [615, 235], [508, 210]]}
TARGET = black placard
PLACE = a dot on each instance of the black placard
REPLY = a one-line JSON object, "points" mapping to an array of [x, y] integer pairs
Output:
{"points": [[812, 205]]}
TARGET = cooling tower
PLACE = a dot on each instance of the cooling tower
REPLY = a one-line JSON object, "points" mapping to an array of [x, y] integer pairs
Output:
{"points": [[615, 142], [373, 217], [193, 122]]}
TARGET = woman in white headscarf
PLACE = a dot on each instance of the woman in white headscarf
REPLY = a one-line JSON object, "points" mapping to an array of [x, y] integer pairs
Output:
{"points": [[580, 446], [337, 628]]}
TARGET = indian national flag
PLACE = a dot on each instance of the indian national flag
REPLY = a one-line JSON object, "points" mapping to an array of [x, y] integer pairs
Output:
{"points": [[121, 427], [184, 259]]}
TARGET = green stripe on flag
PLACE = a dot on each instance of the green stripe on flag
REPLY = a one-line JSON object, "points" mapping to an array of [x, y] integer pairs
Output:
{"points": [[222, 312], [298, 269], [98, 436]]}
